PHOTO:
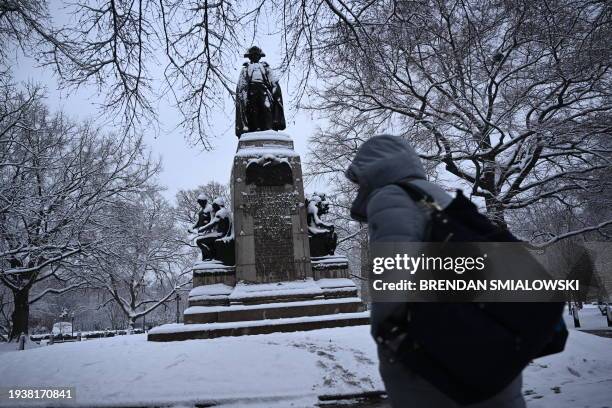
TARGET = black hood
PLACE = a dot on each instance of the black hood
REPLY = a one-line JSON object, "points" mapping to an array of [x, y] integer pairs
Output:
{"points": [[380, 161]]}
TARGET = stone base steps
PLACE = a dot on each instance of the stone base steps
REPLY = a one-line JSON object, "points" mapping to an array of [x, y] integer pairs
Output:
{"points": [[271, 293], [289, 298], [247, 312], [219, 309], [178, 332], [226, 301]]}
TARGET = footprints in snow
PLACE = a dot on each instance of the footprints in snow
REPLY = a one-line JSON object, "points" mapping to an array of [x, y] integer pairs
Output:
{"points": [[334, 371]]}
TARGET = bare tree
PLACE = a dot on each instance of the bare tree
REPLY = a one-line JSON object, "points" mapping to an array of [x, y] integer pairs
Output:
{"points": [[5, 312], [115, 314], [201, 40], [27, 25], [512, 99], [598, 200], [124, 48], [56, 178], [145, 263]]}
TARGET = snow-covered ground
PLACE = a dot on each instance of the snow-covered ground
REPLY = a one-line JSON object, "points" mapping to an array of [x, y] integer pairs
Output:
{"points": [[581, 376], [274, 370], [128, 370]]}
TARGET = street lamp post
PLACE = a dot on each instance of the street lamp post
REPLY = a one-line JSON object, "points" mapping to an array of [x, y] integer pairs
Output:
{"points": [[72, 325], [61, 323], [178, 298]]}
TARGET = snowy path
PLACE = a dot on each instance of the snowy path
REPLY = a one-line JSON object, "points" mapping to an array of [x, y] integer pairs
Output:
{"points": [[275, 370]]}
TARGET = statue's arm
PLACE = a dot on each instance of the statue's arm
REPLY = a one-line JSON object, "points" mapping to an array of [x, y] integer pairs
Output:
{"points": [[317, 220], [211, 224], [270, 78], [314, 211], [271, 75], [241, 101], [195, 226], [198, 223], [242, 81]]}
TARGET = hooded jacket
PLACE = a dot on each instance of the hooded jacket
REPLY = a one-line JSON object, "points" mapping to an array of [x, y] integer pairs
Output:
{"points": [[391, 214]]}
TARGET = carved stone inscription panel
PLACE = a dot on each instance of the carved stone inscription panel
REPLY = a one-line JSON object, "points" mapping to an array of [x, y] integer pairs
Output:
{"points": [[271, 208]]}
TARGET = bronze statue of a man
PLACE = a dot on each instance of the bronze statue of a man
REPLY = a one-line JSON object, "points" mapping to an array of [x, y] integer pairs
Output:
{"points": [[204, 214], [323, 239], [259, 101], [218, 228]]}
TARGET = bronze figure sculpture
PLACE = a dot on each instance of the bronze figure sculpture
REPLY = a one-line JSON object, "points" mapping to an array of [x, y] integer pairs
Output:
{"points": [[214, 238], [323, 239], [204, 215], [259, 101]]}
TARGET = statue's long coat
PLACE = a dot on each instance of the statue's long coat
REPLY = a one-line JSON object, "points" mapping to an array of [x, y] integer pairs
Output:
{"points": [[259, 101]]}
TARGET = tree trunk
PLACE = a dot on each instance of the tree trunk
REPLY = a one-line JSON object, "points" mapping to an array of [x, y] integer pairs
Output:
{"points": [[576, 316], [495, 212], [21, 313], [494, 208], [131, 325]]}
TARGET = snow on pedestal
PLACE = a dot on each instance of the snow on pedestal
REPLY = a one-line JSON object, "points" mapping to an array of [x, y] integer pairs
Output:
{"points": [[213, 272], [210, 292], [218, 310], [330, 266]]}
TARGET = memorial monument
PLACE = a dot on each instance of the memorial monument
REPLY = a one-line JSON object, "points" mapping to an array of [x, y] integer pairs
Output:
{"points": [[269, 266]]}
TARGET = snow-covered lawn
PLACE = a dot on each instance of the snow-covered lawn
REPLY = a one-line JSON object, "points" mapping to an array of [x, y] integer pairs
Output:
{"points": [[274, 370], [128, 370]]}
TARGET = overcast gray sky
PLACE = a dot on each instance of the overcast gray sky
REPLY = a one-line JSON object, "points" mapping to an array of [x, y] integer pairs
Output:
{"points": [[184, 166]]}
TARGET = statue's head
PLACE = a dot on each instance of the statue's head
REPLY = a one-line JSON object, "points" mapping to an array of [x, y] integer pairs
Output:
{"points": [[218, 203], [202, 200], [254, 54], [322, 203], [323, 207], [319, 201]]}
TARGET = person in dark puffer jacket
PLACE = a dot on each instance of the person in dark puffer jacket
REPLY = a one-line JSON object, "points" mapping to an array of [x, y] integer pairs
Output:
{"points": [[392, 216]]}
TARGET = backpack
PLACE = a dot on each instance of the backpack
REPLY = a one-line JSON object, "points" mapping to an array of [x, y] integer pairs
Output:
{"points": [[469, 351]]}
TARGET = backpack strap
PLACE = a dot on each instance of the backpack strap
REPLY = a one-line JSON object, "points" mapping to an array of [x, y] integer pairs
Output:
{"points": [[419, 195], [435, 211]]}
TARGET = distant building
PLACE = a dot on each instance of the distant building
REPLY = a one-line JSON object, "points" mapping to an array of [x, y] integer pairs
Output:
{"points": [[62, 327]]}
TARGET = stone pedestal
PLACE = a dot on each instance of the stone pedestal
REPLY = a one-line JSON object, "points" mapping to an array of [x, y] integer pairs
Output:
{"points": [[274, 286], [211, 272], [269, 212]]}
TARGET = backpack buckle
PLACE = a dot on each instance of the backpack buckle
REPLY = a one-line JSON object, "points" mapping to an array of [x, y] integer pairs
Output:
{"points": [[431, 204]]}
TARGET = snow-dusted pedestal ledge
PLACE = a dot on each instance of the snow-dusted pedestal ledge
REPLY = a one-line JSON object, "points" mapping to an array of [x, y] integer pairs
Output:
{"points": [[213, 272], [176, 332]]}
